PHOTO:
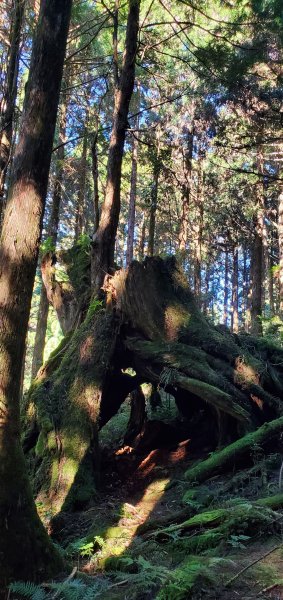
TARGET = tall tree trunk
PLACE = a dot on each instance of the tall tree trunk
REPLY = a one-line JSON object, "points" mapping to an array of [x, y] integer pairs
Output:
{"points": [[187, 187], [94, 162], [226, 288], [235, 292], [142, 238], [79, 223], [152, 212], [257, 256], [133, 193], [198, 233], [20, 526], [8, 102], [52, 234], [104, 239]]}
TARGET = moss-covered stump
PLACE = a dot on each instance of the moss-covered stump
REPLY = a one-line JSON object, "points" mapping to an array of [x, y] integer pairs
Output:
{"points": [[67, 406], [149, 322]]}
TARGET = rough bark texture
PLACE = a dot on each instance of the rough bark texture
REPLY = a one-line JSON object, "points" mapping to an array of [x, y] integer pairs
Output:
{"points": [[187, 187], [104, 238], [8, 102], [79, 223], [52, 233], [95, 181], [20, 526], [151, 324], [132, 202]]}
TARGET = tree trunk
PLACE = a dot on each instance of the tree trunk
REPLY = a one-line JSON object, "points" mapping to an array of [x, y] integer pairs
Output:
{"points": [[8, 103], [104, 239], [226, 288], [257, 256], [153, 200], [52, 233], [256, 284], [235, 292], [199, 232], [95, 181], [187, 187], [132, 201], [79, 222], [142, 238], [20, 526]]}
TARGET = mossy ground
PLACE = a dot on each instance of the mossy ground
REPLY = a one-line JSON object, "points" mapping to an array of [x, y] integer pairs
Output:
{"points": [[135, 541]]}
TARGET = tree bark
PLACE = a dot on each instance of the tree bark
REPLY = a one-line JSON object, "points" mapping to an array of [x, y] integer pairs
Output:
{"points": [[142, 237], [95, 181], [257, 255], [235, 292], [199, 232], [8, 103], [187, 187], [154, 198], [133, 193], [104, 239], [52, 233], [226, 288], [79, 222], [20, 526]]}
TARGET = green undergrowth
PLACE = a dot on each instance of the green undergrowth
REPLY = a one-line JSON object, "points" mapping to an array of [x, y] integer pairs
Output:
{"points": [[205, 535]]}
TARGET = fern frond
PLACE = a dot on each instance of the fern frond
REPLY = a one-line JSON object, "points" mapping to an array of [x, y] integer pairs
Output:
{"points": [[27, 589]]}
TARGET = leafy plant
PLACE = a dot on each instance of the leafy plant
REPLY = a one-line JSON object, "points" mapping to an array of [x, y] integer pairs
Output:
{"points": [[84, 547], [66, 590]]}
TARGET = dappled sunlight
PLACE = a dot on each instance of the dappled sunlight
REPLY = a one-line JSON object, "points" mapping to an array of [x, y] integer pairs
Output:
{"points": [[244, 374], [175, 318], [118, 538]]}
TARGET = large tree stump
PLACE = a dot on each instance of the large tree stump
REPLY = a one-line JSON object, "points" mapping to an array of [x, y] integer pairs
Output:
{"points": [[151, 323]]}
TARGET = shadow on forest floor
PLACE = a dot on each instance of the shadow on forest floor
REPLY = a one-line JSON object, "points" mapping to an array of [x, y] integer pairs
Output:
{"points": [[114, 542]]}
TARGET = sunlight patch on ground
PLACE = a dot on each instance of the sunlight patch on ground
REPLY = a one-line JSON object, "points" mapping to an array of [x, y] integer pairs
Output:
{"points": [[117, 539]]}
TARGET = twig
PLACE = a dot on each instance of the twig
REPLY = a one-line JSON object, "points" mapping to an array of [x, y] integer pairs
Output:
{"points": [[71, 576], [119, 583], [269, 588], [251, 565]]}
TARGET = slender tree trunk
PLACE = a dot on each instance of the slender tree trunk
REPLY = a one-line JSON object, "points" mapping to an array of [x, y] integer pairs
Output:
{"points": [[226, 288], [133, 193], [95, 181], [257, 256], [153, 208], [235, 292], [104, 238], [25, 550], [8, 102], [52, 233], [187, 187], [79, 223], [198, 233], [142, 238]]}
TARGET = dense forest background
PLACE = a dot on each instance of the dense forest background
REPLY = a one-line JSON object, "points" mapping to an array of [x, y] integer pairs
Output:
{"points": [[202, 168], [141, 298]]}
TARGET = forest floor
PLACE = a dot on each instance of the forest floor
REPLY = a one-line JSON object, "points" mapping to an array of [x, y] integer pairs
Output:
{"points": [[121, 546]]}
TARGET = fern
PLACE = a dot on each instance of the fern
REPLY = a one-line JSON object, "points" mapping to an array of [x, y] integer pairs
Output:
{"points": [[66, 590], [28, 590]]}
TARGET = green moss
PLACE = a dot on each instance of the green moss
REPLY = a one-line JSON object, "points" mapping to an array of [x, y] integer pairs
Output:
{"points": [[184, 579], [230, 456], [41, 444]]}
